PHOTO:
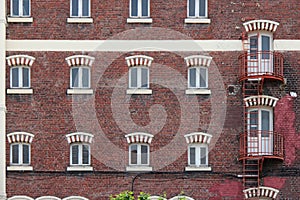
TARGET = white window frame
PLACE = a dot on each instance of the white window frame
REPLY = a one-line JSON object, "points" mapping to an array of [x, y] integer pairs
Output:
{"points": [[80, 11], [80, 156], [20, 76], [20, 152], [139, 11], [197, 156], [20, 9], [139, 155], [197, 11], [198, 75], [80, 77], [139, 77]]}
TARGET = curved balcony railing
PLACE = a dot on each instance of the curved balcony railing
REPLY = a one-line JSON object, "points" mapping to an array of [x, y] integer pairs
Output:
{"points": [[267, 64], [257, 143]]}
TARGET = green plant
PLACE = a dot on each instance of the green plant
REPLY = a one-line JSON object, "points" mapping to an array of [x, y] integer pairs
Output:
{"points": [[126, 195], [143, 196]]}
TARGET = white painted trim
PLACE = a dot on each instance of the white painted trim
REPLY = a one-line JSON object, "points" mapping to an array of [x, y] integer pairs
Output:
{"points": [[48, 198], [20, 197], [138, 169], [75, 198], [286, 45], [197, 21], [138, 91], [19, 168], [194, 169], [79, 168], [19, 19], [80, 20], [139, 20], [124, 45], [19, 91], [80, 91], [198, 91]]}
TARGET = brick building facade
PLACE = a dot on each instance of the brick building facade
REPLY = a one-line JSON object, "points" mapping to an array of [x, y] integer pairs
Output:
{"points": [[196, 97]]}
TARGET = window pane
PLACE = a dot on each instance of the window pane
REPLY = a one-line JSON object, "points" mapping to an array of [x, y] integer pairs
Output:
{"points": [[265, 47], [203, 78], [75, 81], [203, 156], [85, 77], [85, 154], [25, 77], [85, 8], [15, 7], [191, 8], [133, 154], [192, 77], [15, 77], [253, 47], [145, 8], [144, 154], [134, 7], [144, 78], [15, 154], [202, 7], [75, 153], [192, 155], [25, 7], [265, 124], [133, 77], [75, 7], [25, 154], [253, 120]]}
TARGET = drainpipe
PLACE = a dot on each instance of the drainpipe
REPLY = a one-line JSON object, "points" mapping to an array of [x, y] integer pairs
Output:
{"points": [[2, 99]]}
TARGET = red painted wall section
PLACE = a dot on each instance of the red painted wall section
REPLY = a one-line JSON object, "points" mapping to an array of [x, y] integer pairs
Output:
{"points": [[229, 189], [285, 124]]}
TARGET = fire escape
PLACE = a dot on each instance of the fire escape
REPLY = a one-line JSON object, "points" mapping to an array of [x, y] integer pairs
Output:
{"points": [[259, 64]]}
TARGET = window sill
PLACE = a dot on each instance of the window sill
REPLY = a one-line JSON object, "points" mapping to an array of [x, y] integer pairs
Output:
{"points": [[138, 169], [197, 91], [197, 21], [19, 91], [139, 20], [79, 168], [20, 19], [19, 168], [80, 91], [138, 91], [81, 20], [191, 169]]}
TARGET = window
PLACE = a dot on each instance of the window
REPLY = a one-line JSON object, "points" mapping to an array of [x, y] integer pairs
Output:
{"points": [[198, 151], [20, 8], [80, 154], [198, 155], [80, 77], [197, 8], [20, 77], [139, 8], [20, 154], [197, 77], [139, 154], [80, 8], [139, 77]]}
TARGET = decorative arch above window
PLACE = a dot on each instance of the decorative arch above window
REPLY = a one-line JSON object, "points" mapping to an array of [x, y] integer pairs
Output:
{"points": [[261, 25], [80, 137], [48, 198], [20, 74], [20, 137], [198, 137], [75, 198], [139, 138], [266, 192], [198, 74], [261, 100], [20, 198], [80, 74], [139, 60]]}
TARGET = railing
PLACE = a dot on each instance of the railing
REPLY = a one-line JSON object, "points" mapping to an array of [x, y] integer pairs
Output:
{"points": [[256, 143], [261, 64]]}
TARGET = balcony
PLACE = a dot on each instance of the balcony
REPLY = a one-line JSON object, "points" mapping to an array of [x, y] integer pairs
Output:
{"points": [[261, 64], [257, 143]]}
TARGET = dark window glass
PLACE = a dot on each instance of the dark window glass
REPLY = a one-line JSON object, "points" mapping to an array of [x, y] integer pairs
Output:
{"points": [[202, 7], [192, 77], [192, 155], [25, 77], [25, 154], [133, 76], [253, 47], [75, 153], [144, 154], [85, 77], [85, 8], [203, 78], [85, 154], [145, 8], [15, 77], [75, 80], [134, 8], [26, 7], [265, 47], [75, 8], [15, 153], [144, 78], [15, 7], [203, 155], [133, 154], [192, 8]]}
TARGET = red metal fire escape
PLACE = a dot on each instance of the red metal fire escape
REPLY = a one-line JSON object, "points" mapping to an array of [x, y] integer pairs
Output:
{"points": [[255, 69]]}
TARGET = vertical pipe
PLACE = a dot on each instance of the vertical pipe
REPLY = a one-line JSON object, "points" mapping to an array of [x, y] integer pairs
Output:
{"points": [[2, 99]]}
